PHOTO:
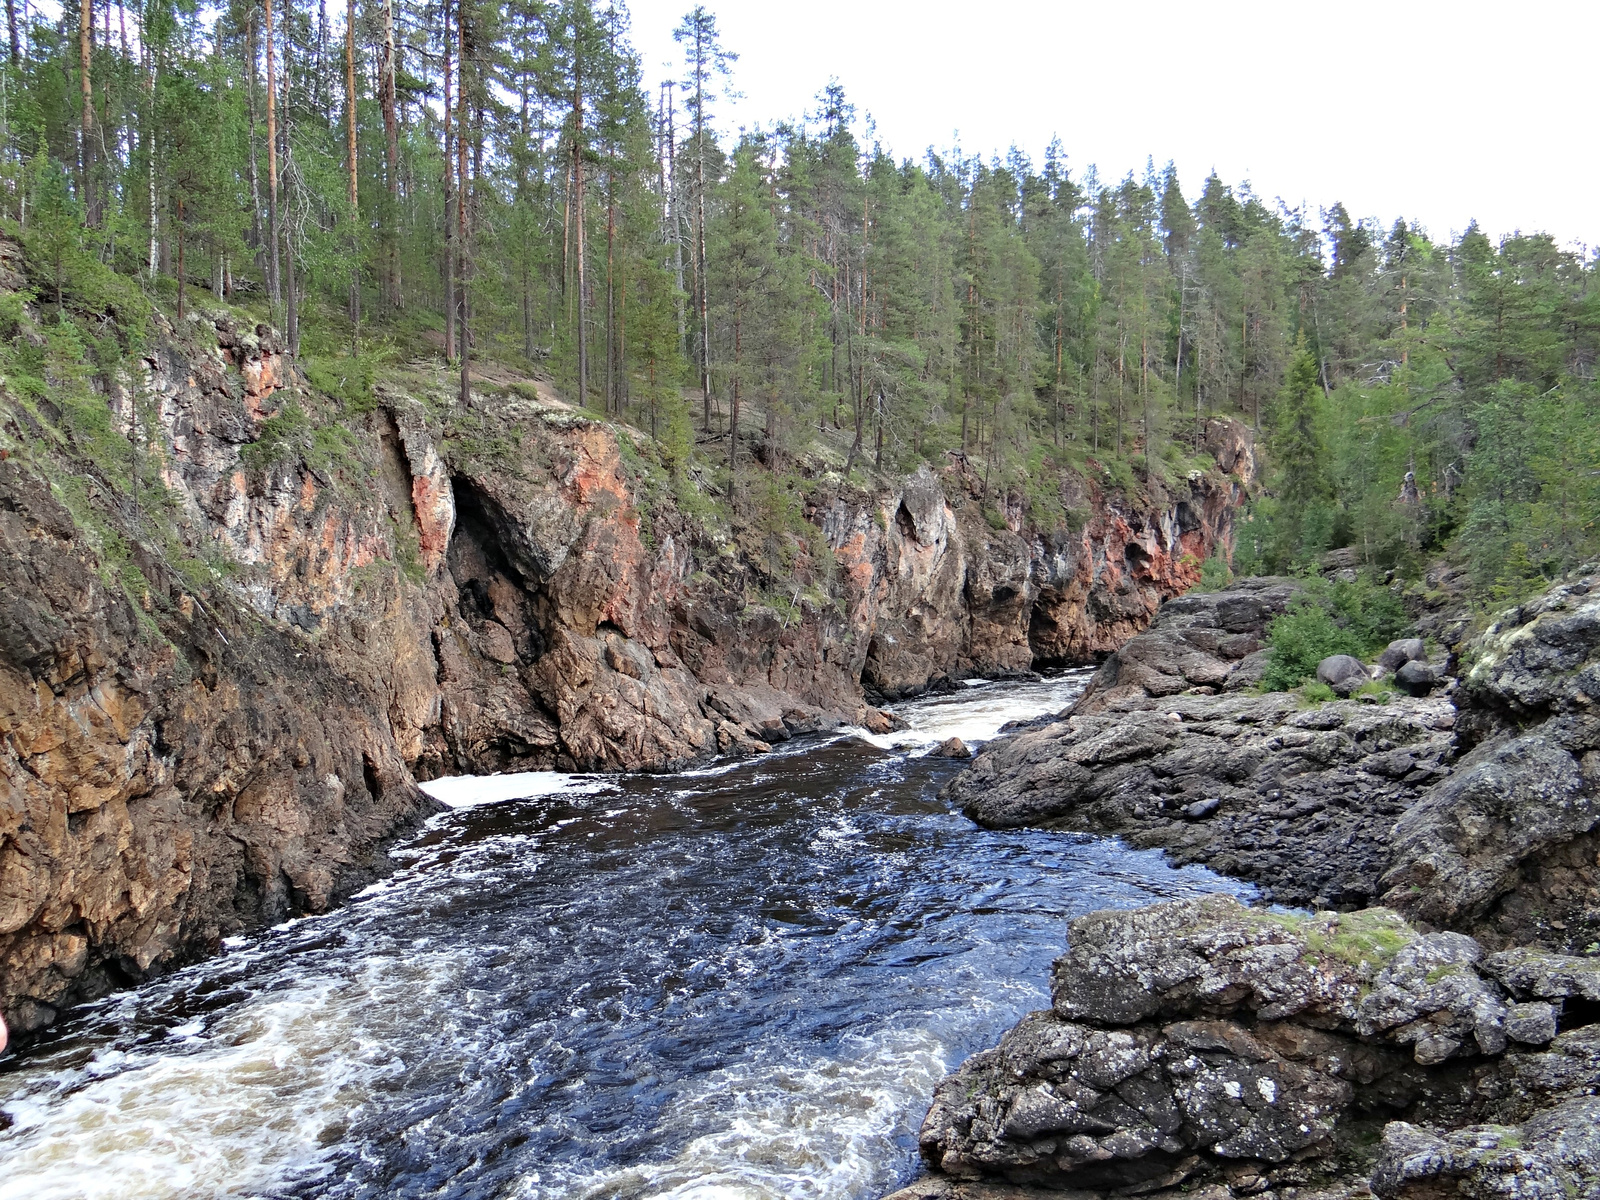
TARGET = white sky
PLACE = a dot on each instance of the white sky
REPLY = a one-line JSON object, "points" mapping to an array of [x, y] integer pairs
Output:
{"points": [[1438, 112]]}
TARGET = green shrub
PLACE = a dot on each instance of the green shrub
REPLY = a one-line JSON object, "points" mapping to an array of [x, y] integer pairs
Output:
{"points": [[1372, 613], [1215, 574], [282, 437], [1357, 618], [1301, 638]]}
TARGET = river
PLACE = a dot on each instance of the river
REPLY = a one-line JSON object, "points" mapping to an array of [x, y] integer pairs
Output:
{"points": [[734, 983]]}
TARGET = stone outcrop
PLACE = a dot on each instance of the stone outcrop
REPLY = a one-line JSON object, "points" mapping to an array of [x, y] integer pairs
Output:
{"points": [[1207, 1045], [1473, 809], [1201, 643], [1508, 848], [1171, 746], [1298, 800], [230, 642]]}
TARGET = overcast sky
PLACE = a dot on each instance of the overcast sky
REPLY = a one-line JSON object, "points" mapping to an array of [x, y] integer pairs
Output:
{"points": [[1438, 112]]}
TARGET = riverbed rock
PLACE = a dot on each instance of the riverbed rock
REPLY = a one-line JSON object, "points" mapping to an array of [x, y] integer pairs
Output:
{"points": [[952, 747], [1476, 810]]}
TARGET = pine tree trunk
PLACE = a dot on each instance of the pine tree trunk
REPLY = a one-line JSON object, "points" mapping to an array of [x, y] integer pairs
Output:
{"points": [[274, 262], [391, 138], [178, 229], [149, 140], [733, 411], [700, 270], [450, 202], [611, 297], [85, 50], [463, 203], [291, 294], [675, 220], [257, 242], [355, 209], [578, 232]]}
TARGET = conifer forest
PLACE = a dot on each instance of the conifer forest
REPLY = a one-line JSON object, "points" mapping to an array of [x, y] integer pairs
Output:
{"points": [[496, 185]]}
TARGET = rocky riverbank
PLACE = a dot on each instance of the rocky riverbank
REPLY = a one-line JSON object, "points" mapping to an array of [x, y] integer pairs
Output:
{"points": [[1447, 1042], [245, 604]]}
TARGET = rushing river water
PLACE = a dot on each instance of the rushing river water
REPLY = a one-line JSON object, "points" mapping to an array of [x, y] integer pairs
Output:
{"points": [[732, 983]]}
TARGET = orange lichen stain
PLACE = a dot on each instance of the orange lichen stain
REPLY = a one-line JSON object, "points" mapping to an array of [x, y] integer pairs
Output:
{"points": [[308, 494]]}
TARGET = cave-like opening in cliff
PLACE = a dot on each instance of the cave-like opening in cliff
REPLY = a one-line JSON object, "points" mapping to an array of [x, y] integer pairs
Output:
{"points": [[492, 588], [1047, 641], [905, 523]]}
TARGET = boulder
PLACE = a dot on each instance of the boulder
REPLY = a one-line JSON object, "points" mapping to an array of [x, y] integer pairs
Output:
{"points": [[880, 721], [1343, 673], [1203, 1043], [1400, 652], [1463, 846], [1543, 655], [952, 747], [1417, 678], [1554, 1156]]}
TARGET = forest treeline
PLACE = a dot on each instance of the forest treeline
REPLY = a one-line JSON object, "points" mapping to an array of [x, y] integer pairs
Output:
{"points": [[496, 181]]}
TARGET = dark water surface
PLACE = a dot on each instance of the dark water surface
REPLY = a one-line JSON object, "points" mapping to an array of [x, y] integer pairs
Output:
{"points": [[737, 983]]}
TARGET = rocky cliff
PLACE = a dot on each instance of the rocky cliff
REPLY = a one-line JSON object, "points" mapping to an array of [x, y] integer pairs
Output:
{"points": [[241, 614]]}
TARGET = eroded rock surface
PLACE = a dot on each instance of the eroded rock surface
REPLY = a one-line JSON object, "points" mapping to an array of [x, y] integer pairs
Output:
{"points": [[1473, 809]]}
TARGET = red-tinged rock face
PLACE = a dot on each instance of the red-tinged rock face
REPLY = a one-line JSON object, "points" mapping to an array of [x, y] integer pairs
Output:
{"points": [[397, 595]]}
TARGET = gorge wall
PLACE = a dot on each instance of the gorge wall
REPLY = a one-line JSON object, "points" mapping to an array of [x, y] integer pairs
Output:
{"points": [[226, 657]]}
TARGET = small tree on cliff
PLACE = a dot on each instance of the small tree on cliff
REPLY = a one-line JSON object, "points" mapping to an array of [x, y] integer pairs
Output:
{"points": [[1303, 519]]}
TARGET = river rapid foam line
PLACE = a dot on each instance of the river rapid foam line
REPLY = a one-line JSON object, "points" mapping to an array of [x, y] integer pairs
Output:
{"points": [[742, 982]]}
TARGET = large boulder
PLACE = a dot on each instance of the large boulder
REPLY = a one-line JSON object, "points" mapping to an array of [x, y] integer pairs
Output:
{"points": [[1542, 657], [1210, 1045], [1398, 653], [1417, 678], [1343, 673], [1462, 847]]}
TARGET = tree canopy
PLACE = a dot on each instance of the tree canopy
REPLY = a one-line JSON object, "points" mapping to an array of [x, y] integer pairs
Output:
{"points": [[493, 182]]}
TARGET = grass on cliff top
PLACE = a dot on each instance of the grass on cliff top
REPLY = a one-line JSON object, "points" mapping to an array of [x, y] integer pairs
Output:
{"points": [[1368, 938]]}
